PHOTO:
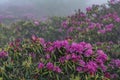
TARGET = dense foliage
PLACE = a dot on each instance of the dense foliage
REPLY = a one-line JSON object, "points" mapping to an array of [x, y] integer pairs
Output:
{"points": [[61, 60], [83, 46]]}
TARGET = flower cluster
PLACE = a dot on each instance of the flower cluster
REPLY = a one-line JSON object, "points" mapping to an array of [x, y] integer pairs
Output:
{"points": [[58, 59], [3, 54], [115, 63], [79, 53], [88, 26], [50, 67]]}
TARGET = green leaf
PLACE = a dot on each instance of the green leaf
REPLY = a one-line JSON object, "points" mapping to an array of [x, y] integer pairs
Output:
{"points": [[1, 78]]}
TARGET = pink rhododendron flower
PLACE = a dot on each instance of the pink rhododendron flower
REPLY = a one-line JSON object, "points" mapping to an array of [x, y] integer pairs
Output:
{"points": [[82, 63], [92, 26], [117, 19], [102, 31], [41, 40], [107, 75], [79, 69], [76, 48], [65, 24], [36, 23], [3, 54], [91, 67], [57, 69], [114, 76], [88, 9], [88, 52], [47, 56], [88, 46], [62, 59], [40, 65], [115, 63], [101, 55], [34, 38], [103, 67], [68, 57], [50, 66]]}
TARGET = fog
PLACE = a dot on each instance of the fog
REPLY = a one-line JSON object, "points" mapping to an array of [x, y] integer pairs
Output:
{"points": [[44, 7]]}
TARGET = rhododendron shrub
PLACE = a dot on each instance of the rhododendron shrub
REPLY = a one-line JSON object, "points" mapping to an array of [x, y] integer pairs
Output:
{"points": [[98, 24], [68, 52], [48, 29], [111, 49], [5, 33], [37, 59]]}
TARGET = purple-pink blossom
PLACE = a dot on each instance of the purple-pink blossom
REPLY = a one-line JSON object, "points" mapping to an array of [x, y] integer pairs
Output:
{"points": [[82, 63], [101, 55], [57, 69], [50, 66], [91, 67], [88, 53], [40, 65], [115, 63], [47, 56], [76, 48], [79, 69], [36, 23], [68, 57], [3, 54], [64, 24], [102, 31], [88, 9]]}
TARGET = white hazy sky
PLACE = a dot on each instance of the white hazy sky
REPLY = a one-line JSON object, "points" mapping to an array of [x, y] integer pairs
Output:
{"points": [[89, 1], [54, 7]]}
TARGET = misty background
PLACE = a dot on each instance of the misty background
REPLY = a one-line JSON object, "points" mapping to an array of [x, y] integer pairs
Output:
{"points": [[44, 7]]}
